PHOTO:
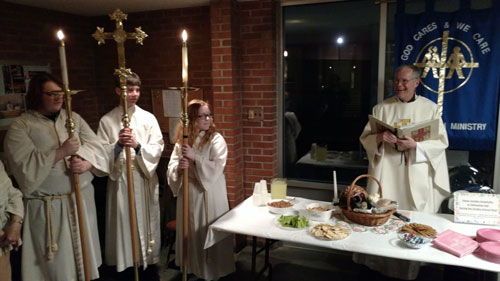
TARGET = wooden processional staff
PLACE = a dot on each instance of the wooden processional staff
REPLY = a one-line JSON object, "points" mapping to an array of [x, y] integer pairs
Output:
{"points": [[70, 128], [185, 140], [120, 36]]}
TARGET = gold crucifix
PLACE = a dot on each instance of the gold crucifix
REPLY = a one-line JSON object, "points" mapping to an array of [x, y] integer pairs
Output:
{"points": [[120, 36]]}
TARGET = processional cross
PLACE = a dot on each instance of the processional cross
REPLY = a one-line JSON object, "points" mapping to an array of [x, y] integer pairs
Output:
{"points": [[120, 36]]}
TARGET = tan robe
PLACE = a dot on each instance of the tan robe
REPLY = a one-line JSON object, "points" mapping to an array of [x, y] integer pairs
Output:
{"points": [[118, 238], [30, 148], [207, 202], [11, 202], [421, 185]]}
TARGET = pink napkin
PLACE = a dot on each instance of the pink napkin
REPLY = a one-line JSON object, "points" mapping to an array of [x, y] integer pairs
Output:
{"points": [[455, 243]]}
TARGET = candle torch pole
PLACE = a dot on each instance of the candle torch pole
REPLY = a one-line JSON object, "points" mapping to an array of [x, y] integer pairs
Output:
{"points": [[70, 127], [185, 141]]}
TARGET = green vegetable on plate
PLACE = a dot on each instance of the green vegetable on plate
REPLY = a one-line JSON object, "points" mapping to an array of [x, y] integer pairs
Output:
{"points": [[293, 221]]}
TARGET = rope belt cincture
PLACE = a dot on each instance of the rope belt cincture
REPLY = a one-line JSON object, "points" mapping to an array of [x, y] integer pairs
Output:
{"points": [[52, 246]]}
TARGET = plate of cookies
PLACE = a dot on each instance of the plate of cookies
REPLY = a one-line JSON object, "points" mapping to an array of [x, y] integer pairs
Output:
{"points": [[419, 229], [326, 231]]}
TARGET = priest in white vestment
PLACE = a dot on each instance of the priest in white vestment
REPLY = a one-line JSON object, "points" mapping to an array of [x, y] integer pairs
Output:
{"points": [[37, 148], [416, 178], [145, 140], [205, 157]]}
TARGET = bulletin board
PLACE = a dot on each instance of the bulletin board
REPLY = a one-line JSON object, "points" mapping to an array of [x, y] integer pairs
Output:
{"points": [[14, 80], [167, 108]]}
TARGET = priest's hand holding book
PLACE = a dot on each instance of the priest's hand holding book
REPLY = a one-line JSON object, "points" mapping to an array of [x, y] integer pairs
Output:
{"points": [[401, 144], [406, 143]]}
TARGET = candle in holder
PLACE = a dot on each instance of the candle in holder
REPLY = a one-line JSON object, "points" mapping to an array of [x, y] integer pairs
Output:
{"points": [[335, 195], [184, 59], [62, 58]]}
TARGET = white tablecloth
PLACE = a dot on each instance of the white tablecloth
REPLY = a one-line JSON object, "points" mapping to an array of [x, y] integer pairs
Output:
{"points": [[251, 220]]}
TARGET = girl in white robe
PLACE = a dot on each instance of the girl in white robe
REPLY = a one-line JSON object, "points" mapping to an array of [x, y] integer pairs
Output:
{"points": [[205, 156]]}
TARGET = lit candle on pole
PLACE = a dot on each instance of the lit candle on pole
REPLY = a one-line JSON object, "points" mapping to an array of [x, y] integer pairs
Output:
{"points": [[184, 59], [62, 58], [335, 195]]}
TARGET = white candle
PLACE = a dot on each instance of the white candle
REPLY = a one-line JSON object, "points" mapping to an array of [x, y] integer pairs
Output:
{"points": [[335, 195], [184, 58], [62, 59]]}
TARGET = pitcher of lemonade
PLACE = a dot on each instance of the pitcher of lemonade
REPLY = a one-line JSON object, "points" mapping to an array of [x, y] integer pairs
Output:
{"points": [[278, 188]]}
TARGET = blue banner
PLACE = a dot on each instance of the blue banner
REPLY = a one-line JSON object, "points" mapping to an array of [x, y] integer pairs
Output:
{"points": [[459, 57]]}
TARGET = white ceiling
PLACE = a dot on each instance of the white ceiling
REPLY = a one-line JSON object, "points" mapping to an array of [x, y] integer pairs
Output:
{"points": [[104, 7]]}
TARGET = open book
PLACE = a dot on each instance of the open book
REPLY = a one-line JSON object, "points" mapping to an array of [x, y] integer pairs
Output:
{"points": [[419, 131]]}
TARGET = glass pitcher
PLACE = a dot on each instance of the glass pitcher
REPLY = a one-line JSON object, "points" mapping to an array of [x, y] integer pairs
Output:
{"points": [[278, 188]]}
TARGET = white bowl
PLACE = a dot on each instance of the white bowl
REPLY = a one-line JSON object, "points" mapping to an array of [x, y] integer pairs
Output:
{"points": [[319, 215], [413, 241], [280, 210]]}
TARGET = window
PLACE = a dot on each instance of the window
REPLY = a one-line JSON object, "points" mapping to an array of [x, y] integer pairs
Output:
{"points": [[330, 69], [330, 83]]}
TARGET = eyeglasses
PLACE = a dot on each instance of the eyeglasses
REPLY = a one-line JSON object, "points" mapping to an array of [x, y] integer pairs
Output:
{"points": [[205, 116], [53, 95], [404, 81]]}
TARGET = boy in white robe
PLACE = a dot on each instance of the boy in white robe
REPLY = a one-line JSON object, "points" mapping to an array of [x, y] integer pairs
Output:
{"points": [[205, 156], [145, 140], [416, 178], [38, 150]]}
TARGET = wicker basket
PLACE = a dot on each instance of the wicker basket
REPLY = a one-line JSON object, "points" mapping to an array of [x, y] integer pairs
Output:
{"points": [[363, 218]]}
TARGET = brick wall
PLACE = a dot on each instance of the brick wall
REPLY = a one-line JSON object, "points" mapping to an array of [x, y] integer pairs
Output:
{"points": [[224, 21], [29, 36], [258, 76]]}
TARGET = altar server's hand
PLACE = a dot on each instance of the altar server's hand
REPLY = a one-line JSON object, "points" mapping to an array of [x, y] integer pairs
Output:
{"points": [[386, 137], [70, 146], [79, 165], [406, 142], [188, 151], [126, 138], [183, 164], [12, 234]]}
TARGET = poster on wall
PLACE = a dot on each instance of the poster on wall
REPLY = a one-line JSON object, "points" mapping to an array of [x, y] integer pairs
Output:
{"points": [[13, 79], [458, 56]]}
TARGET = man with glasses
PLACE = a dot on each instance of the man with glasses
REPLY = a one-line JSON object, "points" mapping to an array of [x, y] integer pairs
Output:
{"points": [[415, 174], [42, 156]]}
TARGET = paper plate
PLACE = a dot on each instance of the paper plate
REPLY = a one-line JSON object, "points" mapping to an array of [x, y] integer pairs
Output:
{"points": [[487, 234], [490, 251]]}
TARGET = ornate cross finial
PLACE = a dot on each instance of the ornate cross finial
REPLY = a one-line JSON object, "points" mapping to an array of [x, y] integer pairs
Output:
{"points": [[120, 36]]}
